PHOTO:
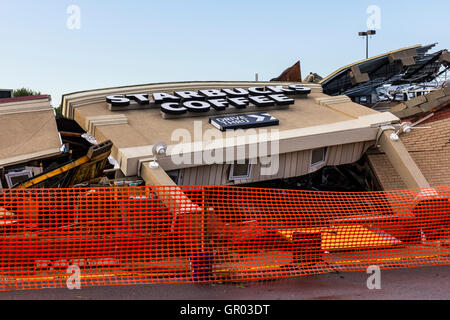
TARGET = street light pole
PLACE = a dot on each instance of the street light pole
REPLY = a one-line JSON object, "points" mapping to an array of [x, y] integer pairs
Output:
{"points": [[367, 47], [367, 34]]}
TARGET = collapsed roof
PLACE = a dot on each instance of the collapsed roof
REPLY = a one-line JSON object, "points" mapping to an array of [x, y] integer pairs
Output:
{"points": [[404, 66], [293, 73], [28, 130], [434, 101], [313, 78]]}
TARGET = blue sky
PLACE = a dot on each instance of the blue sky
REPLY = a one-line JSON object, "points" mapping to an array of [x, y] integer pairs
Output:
{"points": [[132, 42]]}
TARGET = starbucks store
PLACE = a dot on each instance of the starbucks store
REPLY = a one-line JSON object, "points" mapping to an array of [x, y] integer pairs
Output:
{"points": [[226, 133]]}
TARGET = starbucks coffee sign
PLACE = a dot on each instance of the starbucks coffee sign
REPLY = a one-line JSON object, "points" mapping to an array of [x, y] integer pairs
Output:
{"points": [[210, 101]]}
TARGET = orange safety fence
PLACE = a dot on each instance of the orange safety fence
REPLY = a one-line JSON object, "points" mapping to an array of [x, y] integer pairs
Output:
{"points": [[145, 235]]}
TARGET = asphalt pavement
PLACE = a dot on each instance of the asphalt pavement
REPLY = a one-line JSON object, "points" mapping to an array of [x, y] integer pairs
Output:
{"points": [[404, 284]]}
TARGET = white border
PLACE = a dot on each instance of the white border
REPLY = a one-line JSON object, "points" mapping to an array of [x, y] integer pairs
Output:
{"points": [[239, 178], [318, 164], [8, 176]]}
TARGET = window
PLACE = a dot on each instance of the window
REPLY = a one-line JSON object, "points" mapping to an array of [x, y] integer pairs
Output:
{"points": [[14, 178], [240, 171], [6, 94], [174, 175], [318, 157]]}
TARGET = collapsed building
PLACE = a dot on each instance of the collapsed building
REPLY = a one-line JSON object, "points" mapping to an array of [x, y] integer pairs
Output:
{"points": [[185, 141], [36, 152], [172, 136], [29, 138], [324, 131], [394, 76], [314, 131], [426, 135]]}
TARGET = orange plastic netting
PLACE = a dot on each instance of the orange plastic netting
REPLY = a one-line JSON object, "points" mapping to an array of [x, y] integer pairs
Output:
{"points": [[142, 235]]}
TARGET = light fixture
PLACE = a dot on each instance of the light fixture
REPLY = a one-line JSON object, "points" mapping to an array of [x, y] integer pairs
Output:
{"points": [[406, 129], [159, 149], [394, 137]]}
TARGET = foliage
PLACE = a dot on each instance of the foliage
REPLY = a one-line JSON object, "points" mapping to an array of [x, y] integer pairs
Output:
{"points": [[58, 111], [25, 92]]}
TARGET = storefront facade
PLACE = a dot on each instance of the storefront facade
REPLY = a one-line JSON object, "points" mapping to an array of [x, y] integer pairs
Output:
{"points": [[227, 133]]}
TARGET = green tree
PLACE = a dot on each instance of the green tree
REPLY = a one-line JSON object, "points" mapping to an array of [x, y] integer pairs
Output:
{"points": [[58, 111], [25, 92]]}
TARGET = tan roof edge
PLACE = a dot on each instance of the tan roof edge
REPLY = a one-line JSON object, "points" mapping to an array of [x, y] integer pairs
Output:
{"points": [[168, 192], [173, 82], [402, 161], [29, 157], [177, 203]]}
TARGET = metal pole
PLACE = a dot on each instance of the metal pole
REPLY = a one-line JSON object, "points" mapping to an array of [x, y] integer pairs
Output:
{"points": [[367, 47], [367, 34]]}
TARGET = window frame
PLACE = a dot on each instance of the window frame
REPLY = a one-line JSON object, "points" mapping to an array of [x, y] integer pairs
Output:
{"points": [[10, 175], [172, 174], [319, 163], [232, 177]]}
